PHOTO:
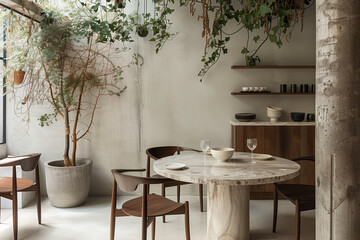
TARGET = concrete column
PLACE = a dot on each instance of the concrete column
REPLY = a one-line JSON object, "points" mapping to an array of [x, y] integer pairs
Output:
{"points": [[338, 119]]}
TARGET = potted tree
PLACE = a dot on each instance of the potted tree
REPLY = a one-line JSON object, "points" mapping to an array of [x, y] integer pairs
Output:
{"points": [[69, 65]]}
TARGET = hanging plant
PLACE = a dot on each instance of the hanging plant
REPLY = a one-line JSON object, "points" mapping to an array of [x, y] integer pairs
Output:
{"points": [[142, 30], [263, 20]]}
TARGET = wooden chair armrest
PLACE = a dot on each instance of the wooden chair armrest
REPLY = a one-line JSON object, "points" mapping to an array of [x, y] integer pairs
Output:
{"points": [[18, 160]]}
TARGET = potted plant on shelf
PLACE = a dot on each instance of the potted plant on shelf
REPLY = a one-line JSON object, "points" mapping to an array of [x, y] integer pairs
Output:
{"points": [[69, 65]]}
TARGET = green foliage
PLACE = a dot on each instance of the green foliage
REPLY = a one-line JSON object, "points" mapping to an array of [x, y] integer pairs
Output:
{"points": [[47, 118], [275, 18]]}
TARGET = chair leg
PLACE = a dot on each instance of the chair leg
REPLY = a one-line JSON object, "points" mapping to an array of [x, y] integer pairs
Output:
{"points": [[298, 220], [113, 208], [144, 228], [15, 204], [201, 197], [15, 217], [163, 194], [276, 197], [38, 198], [178, 194], [187, 221], [153, 228]]}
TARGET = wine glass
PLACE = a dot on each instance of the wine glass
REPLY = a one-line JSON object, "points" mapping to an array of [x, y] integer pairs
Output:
{"points": [[205, 145], [251, 144]]}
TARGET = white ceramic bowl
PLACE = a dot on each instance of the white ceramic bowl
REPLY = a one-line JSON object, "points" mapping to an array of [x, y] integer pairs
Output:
{"points": [[245, 89], [222, 153], [273, 113], [273, 109]]}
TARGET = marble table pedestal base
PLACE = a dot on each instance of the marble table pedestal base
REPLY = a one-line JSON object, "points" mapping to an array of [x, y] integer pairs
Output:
{"points": [[228, 212]]}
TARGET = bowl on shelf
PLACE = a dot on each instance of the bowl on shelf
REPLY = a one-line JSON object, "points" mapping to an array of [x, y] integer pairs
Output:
{"points": [[245, 117], [222, 153], [273, 113], [297, 116]]}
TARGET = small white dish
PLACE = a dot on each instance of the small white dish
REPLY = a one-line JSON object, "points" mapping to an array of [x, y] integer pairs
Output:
{"points": [[258, 156], [245, 89], [256, 89], [251, 89], [174, 166]]}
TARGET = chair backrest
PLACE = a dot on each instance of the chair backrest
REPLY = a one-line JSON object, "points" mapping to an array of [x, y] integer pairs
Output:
{"points": [[165, 151], [307, 174], [27, 162], [128, 183]]}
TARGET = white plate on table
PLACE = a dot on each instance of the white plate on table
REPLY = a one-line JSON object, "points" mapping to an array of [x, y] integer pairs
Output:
{"points": [[174, 166], [258, 156]]}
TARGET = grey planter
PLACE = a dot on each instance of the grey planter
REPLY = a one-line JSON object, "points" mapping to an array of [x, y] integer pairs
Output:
{"points": [[68, 186]]}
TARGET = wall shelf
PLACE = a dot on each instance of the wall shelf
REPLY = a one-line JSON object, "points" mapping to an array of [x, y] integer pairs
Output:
{"points": [[274, 67], [272, 93]]}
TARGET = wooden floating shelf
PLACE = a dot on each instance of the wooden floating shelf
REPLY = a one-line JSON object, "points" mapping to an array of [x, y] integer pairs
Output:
{"points": [[274, 67], [271, 93]]}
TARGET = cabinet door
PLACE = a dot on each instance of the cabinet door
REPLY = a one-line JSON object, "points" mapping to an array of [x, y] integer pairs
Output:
{"points": [[282, 141]]}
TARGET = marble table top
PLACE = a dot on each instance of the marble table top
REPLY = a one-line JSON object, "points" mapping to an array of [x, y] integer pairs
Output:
{"points": [[239, 170]]}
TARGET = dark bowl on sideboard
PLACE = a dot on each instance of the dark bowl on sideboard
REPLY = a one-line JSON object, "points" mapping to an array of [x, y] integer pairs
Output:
{"points": [[297, 116], [245, 117]]}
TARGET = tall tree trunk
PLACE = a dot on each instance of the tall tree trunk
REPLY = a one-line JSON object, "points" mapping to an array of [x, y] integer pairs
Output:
{"points": [[338, 119], [67, 139], [74, 147]]}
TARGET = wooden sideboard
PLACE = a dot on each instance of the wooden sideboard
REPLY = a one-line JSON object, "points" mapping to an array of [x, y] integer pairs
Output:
{"points": [[287, 140]]}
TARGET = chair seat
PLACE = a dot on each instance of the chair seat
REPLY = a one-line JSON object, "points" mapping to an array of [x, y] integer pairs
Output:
{"points": [[6, 184], [157, 206], [305, 194]]}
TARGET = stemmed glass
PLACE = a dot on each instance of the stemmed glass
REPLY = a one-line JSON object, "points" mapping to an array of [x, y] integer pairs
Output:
{"points": [[205, 146], [251, 144]]}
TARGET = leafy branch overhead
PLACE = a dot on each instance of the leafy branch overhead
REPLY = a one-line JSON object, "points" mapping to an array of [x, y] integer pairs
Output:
{"points": [[265, 20], [258, 21]]}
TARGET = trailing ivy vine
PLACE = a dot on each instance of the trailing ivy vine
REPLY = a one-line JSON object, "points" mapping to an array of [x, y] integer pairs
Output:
{"points": [[259, 21], [262, 21]]}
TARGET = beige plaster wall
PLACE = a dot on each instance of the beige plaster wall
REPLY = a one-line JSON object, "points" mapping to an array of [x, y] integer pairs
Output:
{"points": [[166, 104]]}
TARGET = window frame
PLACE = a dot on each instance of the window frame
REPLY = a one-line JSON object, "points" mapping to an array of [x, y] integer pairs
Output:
{"points": [[3, 58]]}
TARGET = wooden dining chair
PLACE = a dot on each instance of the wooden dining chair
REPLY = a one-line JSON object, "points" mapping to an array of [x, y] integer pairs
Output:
{"points": [[156, 153], [303, 196], [148, 206], [10, 186]]}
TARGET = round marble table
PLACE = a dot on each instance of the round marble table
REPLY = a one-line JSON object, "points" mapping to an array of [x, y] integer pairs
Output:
{"points": [[228, 190]]}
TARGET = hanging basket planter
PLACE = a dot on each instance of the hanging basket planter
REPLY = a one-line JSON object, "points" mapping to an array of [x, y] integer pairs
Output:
{"points": [[142, 31], [19, 77]]}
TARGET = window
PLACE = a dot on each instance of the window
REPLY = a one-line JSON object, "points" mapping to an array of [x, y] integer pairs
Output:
{"points": [[2, 87]]}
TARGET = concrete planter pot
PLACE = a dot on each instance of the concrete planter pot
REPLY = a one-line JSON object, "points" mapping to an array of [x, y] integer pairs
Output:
{"points": [[68, 186]]}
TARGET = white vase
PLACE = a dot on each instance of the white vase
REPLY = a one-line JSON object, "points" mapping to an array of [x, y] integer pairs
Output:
{"points": [[68, 186]]}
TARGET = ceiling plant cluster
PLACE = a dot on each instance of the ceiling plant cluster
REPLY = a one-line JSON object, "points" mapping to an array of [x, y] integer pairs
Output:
{"points": [[258, 21]]}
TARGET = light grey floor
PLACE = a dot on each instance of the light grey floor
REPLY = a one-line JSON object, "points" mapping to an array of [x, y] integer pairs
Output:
{"points": [[91, 222]]}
